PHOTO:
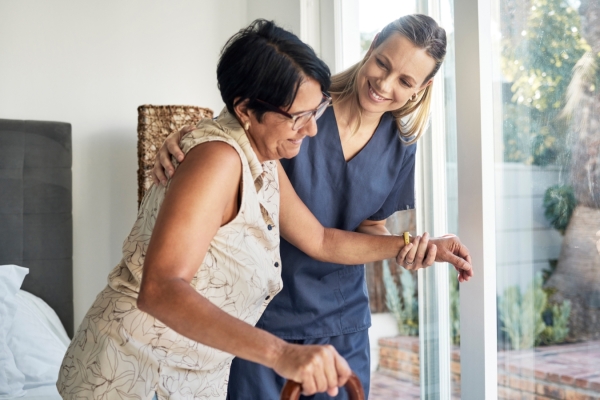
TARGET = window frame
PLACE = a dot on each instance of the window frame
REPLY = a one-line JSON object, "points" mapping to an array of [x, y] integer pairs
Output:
{"points": [[476, 196], [476, 191]]}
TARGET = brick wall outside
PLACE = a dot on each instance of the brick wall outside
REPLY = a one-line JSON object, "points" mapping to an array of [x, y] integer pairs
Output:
{"points": [[563, 372]]}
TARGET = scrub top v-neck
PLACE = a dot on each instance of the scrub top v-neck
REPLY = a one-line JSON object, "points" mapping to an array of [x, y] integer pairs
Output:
{"points": [[323, 299]]}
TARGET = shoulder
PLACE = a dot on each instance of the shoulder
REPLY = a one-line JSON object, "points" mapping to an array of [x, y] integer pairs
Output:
{"points": [[206, 131], [214, 156]]}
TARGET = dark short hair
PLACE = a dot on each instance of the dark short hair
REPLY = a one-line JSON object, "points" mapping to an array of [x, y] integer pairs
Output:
{"points": [[266, 62]]}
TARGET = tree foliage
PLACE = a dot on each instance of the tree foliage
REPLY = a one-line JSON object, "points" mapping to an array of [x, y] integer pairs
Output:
{"points": [[538, 62]]}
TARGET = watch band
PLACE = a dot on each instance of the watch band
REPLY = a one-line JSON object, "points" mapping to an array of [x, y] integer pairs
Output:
{"points": [[407, 237]]}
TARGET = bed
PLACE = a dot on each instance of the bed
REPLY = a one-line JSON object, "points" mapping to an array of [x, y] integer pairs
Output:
{"points": [[36, 247]]}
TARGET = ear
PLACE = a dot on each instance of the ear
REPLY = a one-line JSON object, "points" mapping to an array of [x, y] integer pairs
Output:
{"points": [[428, 83], [241, 110]]}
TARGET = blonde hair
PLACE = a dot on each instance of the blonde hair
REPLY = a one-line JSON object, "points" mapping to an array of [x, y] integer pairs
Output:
{"points": [[424, 33]]}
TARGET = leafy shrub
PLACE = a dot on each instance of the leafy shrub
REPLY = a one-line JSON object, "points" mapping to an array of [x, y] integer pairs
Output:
{"points": [[559, 203], [454, 309], [404, 307], [528, 320], [558, 330]]}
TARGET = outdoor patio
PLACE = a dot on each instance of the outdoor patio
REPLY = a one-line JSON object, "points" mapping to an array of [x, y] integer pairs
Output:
{"points": [[562, 372]]}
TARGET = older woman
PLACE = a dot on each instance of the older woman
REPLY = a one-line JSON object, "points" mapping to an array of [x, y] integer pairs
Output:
{"points": [[357, 172], [202, 260]]}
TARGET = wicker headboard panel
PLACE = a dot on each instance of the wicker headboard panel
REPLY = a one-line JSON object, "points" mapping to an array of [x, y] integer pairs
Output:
{"points": [[36, 224], [155, 123]]}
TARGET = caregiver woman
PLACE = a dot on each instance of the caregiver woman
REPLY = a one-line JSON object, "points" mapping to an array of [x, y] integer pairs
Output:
{"points": [[202, 260], [354, 174]]}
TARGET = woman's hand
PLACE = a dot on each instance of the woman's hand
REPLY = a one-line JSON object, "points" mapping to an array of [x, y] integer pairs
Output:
{"points": [[420, 253], [423, 251], [451, 250], [163, 167], [317, 368]]}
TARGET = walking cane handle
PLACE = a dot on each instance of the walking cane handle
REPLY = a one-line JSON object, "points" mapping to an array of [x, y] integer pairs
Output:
{"points": [[291, 390]]}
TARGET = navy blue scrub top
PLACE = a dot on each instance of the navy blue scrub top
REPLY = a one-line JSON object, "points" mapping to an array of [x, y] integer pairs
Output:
{"points": [[323, 299]]}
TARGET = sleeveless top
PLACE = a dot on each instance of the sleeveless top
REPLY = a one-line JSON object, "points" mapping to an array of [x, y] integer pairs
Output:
{"points": [[122, 352]]}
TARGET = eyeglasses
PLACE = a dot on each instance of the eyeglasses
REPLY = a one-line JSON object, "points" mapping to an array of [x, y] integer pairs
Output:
{"points": [[302, 118]]}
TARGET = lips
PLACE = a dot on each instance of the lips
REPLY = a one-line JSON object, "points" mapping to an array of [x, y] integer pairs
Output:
{"points": [[374, 95], [296, 141]]}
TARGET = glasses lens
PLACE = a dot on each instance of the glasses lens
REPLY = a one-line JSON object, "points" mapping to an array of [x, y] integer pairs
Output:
{"points": [[322, 107], [301, 121]]}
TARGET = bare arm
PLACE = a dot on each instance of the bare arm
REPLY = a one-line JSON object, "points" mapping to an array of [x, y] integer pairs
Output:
{"points": [[300, 227], [420, 253], [203, 197]]}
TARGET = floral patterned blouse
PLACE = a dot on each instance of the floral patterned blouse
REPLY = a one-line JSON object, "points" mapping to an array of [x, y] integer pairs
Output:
{"points": [[120, 352]]}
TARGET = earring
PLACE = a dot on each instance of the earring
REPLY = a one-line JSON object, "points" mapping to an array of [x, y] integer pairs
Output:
{"points": [[246, 125], [413, 97]]}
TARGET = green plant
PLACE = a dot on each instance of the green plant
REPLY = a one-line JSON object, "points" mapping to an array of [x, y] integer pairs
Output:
{"points": [[558, 331], [522, 316], [404, 307], [559, 203], [454, 309], [537, 61]]}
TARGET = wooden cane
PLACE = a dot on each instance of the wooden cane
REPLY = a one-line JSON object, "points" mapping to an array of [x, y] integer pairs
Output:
{"points": [[291, 390]]}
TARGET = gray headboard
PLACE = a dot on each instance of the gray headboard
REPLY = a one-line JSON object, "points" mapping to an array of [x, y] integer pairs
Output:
{"points": [[36, 224]]}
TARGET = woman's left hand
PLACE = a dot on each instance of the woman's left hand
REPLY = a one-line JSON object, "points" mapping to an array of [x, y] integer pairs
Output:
{"points": [[424, 251]]}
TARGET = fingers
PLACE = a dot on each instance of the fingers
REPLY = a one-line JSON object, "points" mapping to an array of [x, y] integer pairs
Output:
{"points": [[163, 167], [309, 386], [158, 174], [464, 269], [422, 254], [343, 373], [409, 261], [343, 370], [319, 368], [185, 130], [331, 373], [174, 150], [400, 258], [421, 250]]}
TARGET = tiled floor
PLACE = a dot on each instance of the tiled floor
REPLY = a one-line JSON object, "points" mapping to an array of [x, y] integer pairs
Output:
{"points": [[386, 388], [571, 369]]}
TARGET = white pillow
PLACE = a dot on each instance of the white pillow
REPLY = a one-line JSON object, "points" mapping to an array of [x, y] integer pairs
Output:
{"points": [[11, 379], [38, 341]]}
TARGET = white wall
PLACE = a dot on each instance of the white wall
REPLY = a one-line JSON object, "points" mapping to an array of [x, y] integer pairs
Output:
{"points": [[285, 13], [91, 63], [525, 241]]}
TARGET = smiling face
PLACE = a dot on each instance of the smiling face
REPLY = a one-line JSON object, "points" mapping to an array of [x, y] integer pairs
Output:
{"points": [[394, 71], [274, 138]]}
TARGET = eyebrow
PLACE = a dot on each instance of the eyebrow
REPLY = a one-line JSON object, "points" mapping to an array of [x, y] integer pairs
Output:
{"points": [[305, 111], [412, 80]]}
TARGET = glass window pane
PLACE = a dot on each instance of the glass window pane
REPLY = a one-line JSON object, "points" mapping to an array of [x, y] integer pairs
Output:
{"points": [[548, 198], [394, 336], [398, 356]]}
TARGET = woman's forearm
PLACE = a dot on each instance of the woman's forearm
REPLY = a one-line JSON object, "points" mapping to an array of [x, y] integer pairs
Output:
{"points": [[176, 304], [343, 247]]}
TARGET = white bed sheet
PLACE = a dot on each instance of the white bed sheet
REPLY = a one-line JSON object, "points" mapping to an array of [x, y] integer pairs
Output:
{"points": [[42, 393]]}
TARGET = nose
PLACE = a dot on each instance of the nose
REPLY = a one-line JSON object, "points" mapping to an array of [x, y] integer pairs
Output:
{"points": [[385, 83], [310, 129]]}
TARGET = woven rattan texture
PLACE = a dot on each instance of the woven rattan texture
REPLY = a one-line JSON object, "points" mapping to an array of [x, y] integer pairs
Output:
{"points": [[155, 123]]}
